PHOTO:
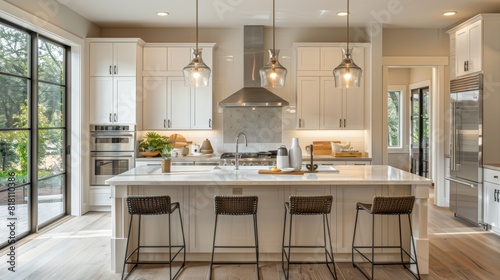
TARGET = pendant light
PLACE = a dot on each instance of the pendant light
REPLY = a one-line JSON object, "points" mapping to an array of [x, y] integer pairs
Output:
{"points": [[273, 74], [347, 74], [196, 73]]}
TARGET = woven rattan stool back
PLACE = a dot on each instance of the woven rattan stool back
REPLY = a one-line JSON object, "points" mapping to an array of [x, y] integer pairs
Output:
{"points": [[392, 205], [149, 205], [310, 204], [235, 205]]}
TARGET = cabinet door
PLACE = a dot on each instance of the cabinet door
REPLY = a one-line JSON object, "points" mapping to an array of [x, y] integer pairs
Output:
{"points": [[178, 104], [308, 91], [178, 58], [330, 58], [101, 100], [353, 108], [154, 103], [101, 59], [330, 104], [125, 59], [461, 50], [491, 207], [308, 58], [475, 45], [201, 108], [125, 100], [155, 59]]}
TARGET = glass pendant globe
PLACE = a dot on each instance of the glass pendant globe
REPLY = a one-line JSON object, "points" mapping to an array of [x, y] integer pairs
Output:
{"points": [[273, 74], [347, 74], [196, 73]]}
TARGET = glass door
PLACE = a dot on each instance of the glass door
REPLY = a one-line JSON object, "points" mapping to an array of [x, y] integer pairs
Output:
{"points": [[419, 151]]}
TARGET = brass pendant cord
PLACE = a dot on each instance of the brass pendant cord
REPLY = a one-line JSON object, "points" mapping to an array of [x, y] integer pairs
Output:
{"points": [[347, 26], [274, 24], [196, 25]]}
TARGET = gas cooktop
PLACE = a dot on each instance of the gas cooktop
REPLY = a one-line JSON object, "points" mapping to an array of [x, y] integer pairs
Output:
{"points": [[259, 155]]}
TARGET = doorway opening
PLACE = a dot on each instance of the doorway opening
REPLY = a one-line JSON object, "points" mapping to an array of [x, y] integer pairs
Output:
{"points": [[419, 137]]}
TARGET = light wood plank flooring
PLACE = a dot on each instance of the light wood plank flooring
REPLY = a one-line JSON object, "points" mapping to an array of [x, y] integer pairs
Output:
{"points": [[79, 248]]}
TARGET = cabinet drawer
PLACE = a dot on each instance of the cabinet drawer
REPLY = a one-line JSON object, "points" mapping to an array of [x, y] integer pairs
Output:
{"points": [[492, 176]]}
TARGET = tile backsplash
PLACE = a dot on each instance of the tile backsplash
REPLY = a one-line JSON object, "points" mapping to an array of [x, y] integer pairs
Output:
{"points": [[260, 124]]}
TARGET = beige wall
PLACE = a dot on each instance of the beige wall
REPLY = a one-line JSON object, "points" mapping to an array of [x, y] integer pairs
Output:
{"points": [[420, 74], [416, 42], [53, 12]]}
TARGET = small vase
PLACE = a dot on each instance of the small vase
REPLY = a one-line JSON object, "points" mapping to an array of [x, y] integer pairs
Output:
{"points": [[165, 165], [295, 155]]}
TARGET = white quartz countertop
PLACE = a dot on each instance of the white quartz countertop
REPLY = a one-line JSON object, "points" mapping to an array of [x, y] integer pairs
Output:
{"points": [[248, 175]]}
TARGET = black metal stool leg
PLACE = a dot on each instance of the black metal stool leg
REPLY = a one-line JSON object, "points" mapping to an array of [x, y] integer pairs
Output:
{"points": [[183, 240], [354, 236], [283, 245], [289, 248], [373, 246], [334, 274], [213, 248], [414, 249], [255, 231], [126, 247], [401, 242]]}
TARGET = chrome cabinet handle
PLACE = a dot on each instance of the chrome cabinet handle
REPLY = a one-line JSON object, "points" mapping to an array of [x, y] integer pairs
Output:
{"points": [[109, 117], [340, 122], [495, 196], [344, 123], [164, 123], [110, 69], [169, 124], [300, 123], [116, 70], [210, 123], [116, 117]]}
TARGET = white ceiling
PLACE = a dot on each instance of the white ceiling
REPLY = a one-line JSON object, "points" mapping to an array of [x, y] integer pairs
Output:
{"points": [[289, 13]]}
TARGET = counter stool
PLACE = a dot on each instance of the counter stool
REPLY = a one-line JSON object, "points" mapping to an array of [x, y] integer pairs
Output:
{"points": [[153, 205], [236, 206], [386, 205], [308, 205]]}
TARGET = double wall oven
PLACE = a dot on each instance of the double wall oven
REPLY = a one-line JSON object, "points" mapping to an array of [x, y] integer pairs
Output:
{"points": [[112, 151]]}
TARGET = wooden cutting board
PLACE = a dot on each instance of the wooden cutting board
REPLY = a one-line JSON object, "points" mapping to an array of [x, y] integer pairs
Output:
{"points": [[323, 147], [269, 171], [347, 154], [178, 140]]}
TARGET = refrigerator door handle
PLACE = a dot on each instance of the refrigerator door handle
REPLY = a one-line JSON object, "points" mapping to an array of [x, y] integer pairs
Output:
{"points": [[453, 139], [472, 185]]}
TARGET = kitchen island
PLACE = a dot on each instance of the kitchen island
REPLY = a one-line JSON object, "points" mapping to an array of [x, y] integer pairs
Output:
{"points": [[195, 186]]}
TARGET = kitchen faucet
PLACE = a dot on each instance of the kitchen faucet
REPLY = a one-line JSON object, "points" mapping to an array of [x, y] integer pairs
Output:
{"points": [[237, 160]]}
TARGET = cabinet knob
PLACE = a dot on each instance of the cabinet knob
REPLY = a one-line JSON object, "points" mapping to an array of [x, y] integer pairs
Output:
{"points": [[496, 176]]}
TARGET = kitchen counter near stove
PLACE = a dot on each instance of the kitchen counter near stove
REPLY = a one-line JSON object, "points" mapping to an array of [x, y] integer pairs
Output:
{"points": [[195, 186], [494, 166]]}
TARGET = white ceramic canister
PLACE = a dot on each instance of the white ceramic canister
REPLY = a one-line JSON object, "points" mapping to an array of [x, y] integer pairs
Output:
{"points": [[282, 160], [295, 155]]}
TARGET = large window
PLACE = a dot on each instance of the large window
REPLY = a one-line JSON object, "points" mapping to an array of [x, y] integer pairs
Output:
{"points": [[395, 114], [32, 129]]}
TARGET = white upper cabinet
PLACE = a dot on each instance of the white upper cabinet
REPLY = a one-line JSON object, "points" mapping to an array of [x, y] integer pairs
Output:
{"points": [[308, 58], [468, 50], [320, 105], [113, 59], [167, 103], [113, 74], [155, 59]]}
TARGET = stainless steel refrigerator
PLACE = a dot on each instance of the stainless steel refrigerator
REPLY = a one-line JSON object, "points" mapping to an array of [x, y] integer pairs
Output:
{"points": [[466, 174]]}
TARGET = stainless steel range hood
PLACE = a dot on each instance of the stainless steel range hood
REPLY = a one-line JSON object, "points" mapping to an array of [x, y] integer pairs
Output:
{"points": [[253, 95]]}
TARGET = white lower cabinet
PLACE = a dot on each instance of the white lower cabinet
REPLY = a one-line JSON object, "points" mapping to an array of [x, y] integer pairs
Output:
{"points": [[100, 196], [492, 198]]}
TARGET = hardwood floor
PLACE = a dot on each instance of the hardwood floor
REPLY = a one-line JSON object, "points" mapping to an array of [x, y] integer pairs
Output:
{"points": [[79, 248]]}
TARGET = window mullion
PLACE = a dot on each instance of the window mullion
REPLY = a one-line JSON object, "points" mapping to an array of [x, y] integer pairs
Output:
{"points": [[33, 159]]}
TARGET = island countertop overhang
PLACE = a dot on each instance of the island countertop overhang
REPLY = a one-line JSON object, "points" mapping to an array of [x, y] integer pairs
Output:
{"points": [[205, 175]]}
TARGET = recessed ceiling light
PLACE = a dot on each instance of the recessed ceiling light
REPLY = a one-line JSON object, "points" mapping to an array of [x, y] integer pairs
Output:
{"points": [[342, 14], [449, 13], [162, 14]]}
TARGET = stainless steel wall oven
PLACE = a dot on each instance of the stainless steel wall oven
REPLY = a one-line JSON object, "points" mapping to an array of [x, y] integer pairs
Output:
{"points": [[112, 151]]}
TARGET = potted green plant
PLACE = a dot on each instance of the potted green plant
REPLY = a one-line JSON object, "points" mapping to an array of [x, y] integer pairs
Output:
{"points": [[153, 144], [166, 155]]}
